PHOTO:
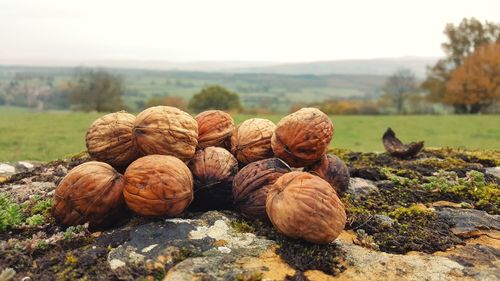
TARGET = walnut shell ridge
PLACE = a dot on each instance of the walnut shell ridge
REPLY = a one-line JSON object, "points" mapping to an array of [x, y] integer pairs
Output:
{"points": [[166, 130], [109, 139], [302, 138], [90, 192], [333, 170], [251, 184], [251, 140], [158, 186], [213, 170], [302, 205], [215, 128]]}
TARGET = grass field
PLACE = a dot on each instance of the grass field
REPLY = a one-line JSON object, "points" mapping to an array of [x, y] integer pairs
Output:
{"points": [[26, 135]]}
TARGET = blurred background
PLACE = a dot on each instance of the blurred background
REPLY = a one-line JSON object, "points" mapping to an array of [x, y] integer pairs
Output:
{"points": [[428, 69]]}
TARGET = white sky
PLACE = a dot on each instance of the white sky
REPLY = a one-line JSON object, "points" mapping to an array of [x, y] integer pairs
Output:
{"points": [[229, 30]]}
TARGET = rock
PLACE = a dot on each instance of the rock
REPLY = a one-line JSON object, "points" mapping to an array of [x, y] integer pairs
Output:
{"points": [[384, 220], [116, 263], [6, 169], [494, 171], [450, 204], [471, 223], [367, 264], [479, 255], [9, 169], [23, 166], [206, 247], [205, 244], [359, 187]]}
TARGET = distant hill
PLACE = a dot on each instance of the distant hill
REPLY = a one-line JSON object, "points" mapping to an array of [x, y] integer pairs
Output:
{"points": [[257, 90], [381, 66]]}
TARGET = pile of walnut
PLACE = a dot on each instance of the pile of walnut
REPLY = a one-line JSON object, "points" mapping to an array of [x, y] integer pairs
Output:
{"points": [[172, 161]]}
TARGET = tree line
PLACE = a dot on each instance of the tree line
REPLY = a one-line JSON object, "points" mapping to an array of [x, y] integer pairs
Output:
{"points": [[467, 78]]}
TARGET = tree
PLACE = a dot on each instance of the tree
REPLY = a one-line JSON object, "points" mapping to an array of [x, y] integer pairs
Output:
{"points": [[399, 86], [476, 83], [167, 100], [96, 90], [462, 40], [215, 97]]}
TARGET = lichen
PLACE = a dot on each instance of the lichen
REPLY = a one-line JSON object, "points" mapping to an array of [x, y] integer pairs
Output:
{"points": [[241, 226], [249, 276]]}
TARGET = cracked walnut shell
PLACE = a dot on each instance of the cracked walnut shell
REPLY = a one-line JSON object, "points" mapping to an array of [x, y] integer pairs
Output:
{"points": [[109, 139], [90, 192], [302, 205], [166, 130], [251, 140], [215, 128], [302, 138], [157, 186]]}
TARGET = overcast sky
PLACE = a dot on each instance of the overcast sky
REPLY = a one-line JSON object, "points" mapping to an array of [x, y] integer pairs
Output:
{"points": [[229, 30]]}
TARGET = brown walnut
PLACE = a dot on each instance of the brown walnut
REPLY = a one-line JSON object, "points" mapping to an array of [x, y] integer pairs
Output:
{"points": [[215, 128], [157, 186], [333, 170], [251, 140], [166, 130], [213, 171], [302, 205], [251, 184], [90, 192], [109, 139], [302, 138]]}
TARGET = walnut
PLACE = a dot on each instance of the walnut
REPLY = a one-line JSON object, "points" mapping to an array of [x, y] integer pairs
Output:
{"points": [[213, 171], [157, 186], [251, 184], [215, 128], [166, 130], [302, 205], [302, 138], [109, 139], [333, 170], [90, 192], [251, 140]]}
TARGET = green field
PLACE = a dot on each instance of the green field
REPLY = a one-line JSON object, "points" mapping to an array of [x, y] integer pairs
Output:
{"points": [[26, 135]]}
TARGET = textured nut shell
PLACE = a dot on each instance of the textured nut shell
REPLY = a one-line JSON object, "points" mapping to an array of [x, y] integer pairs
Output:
{"points": [[251, 140], [333, 170], [90, 192], [109, 139], [213, 171], [215, 128], [301, 205], [166, 130], [251, 184], [302, 137], [158, 185]]}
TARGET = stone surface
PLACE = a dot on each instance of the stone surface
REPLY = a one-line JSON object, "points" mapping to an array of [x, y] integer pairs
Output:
{"points": [[206, 247], [471, 223], [359, 187], [6, 169], [494, 171], [9, 169]]}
